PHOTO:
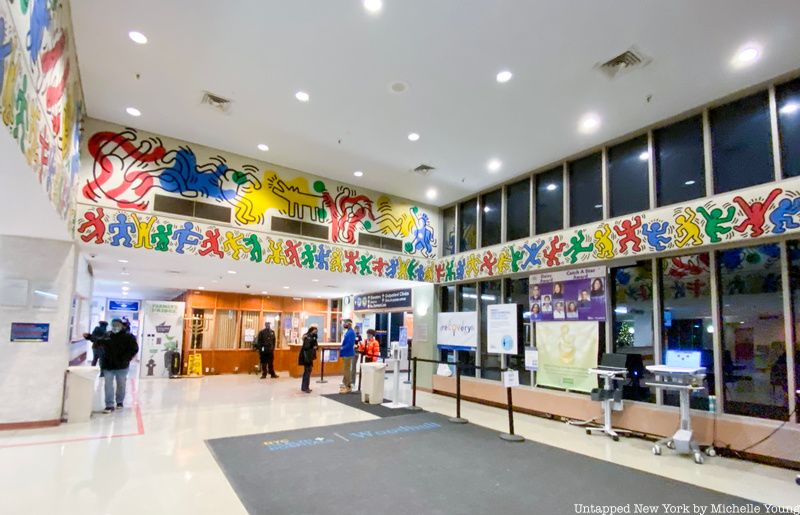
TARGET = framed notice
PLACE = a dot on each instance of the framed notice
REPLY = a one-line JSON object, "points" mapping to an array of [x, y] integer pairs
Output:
{"points": [[567, 350], [571, 295], [458, 331], [502, 335], [330, 355], [29, 332]]}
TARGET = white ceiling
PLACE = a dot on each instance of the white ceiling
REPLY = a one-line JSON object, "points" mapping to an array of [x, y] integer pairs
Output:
{"points": [[449, 51]]}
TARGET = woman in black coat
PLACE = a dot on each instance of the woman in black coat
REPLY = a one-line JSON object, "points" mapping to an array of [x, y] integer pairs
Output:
{"points": [[308, 353]]}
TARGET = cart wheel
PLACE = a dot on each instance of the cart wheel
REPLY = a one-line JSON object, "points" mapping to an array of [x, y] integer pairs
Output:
{"points": [[657, 450], [698, 458], [615, 438], [797, 480], [711, 451], [588, 432], [670, 445]]}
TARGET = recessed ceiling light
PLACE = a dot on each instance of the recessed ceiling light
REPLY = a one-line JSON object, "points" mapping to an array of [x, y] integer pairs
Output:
{"points": [[122, 261], [373, 6], [589, 123], [314, 280], [486, 209], [747, 55], [551, 187], [231, 271], [504, 76], [598, 206], [124, 273], [358, 173], [789, 108], [126, 288], [644, 156], [413, 137], [285, 287], [431, 193], [263, 293], [201, 287], [214, 281], [494, 165], [262, 147], [302, 96], [124, 293], [689, 183], [126, 282], [133, 111], [137, 37]]}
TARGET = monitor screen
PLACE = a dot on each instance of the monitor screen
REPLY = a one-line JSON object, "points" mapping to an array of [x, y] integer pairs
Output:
{"points": [[683, 359]]}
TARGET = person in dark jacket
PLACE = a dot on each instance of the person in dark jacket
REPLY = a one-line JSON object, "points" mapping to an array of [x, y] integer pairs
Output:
{"points": [[119, 348], [308, 353], [265, 345], [98, 333]]}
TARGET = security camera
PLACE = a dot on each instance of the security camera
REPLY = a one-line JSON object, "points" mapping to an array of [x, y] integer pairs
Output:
{"points": [[247, 286]]}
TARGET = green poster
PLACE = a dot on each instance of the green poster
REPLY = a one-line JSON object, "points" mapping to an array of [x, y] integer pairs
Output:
{"points": [[567, 350]]}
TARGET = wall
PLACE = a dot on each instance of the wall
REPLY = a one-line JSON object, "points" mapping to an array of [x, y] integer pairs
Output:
{"points": [[425, 310], [32, 374], [41, 102]]}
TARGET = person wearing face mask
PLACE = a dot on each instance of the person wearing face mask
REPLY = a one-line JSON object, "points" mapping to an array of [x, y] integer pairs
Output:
{"points": [[119, 348]]}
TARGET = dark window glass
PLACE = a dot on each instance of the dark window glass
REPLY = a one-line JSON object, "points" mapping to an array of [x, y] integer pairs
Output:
{"points": [[449, 229], [177, 206], [794, 285], [518, 210], [490, 294], [741, 144], [753, 335], [467, 301], [447, 304], [628, 177], [491, 218], [686, 318], [632, 325], [586, 190], [550, 201], [468, 225], [680, 166], [788, 98], [321, 232], [216, 213], [517, 293]]}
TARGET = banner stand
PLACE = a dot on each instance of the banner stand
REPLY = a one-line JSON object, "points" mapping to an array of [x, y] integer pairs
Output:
{"points": [[457, 419]]}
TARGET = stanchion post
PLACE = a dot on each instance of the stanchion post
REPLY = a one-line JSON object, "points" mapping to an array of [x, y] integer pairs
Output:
{"points": [[360, 362], [321, 379], [414, 406], [510, 436], [457, 419], [408, 372]]}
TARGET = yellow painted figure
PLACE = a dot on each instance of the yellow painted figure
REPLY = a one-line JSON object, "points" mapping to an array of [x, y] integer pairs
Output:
{"points": [[687, 231], [603, 243]]}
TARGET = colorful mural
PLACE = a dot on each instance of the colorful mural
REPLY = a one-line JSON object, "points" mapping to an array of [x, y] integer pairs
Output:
{"points": [[40, 93], [743, 217], [156, 233], [124, 168]]}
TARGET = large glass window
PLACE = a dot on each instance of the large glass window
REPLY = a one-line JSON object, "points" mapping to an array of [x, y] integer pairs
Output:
{"points": [[467, 301], [518, 210], [741, 144], [753, 335], [794, 284], [686, 323], [680, 165], [491, 218], [632, 325], [516, 292], [490, 294], [550, 201], [447, 304], [788, 99], [628, 178], [468, 225], [449, 228], [586, 190]]}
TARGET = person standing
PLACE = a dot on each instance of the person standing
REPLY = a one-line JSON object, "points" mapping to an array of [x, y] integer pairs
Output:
{"points": [[308, 353], [371, 349], [119, 348], [348, 352], [98, 333], [265, 345]]}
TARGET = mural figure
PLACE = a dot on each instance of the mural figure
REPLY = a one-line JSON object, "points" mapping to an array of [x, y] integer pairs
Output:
{"points": [[254, 244], [95, 225], [556, 248], [120, 231], [402, 268], [6, 47], [439, 272], [603, 243], [503, 261], [276, 255], [654, 232], [423, 237], [161, 237], [323, 255], [577, 247], [392, 222], [364, 265], [782, 217], [309, 256], [291, 198], [186, 236], [350, 257], [627, 232], [461, 267], [233, 244], [755, 213], [347, 210], [516, 257], [391, 270], [715, 220], [39, 21], [210, 245], [489, 262], [533, 250], [472, 268], [291, 253], [378, 266], [143, 231], [687, 231], [449, 272], [336, 260]]}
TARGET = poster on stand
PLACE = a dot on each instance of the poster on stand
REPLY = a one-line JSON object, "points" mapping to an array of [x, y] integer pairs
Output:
{"points": [[458, 331], [572, 295], [567, 350], [162, 332], [502, 329]]}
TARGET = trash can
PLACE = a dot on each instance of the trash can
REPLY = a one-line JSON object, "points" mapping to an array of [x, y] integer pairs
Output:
{"points": [[372, 376], [80, 393]]}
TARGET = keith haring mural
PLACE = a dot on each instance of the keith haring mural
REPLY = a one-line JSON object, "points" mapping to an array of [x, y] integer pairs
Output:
{"points": [[744, 217], [40, 94], [125, 168], [155, 233]]}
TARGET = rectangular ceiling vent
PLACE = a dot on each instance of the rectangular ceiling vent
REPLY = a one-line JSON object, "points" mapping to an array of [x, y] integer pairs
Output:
{"points": [[423, 170], [219, 103], [625, 62]]}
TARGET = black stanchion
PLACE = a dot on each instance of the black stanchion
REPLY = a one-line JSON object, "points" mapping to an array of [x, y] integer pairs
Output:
{"points": [[408, 372], [510, 436], [360, 362], [322, 379], [457, 419], [414, 406]]}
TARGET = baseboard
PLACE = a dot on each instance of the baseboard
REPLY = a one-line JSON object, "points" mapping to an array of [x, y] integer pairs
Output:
{"points": [[29, 425]]}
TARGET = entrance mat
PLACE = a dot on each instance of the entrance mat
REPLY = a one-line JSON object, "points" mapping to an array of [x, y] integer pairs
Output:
{"points": [[353, 399], [423, 464]]}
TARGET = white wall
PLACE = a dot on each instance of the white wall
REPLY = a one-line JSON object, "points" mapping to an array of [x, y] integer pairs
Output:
{"points": [[424, 342], [32, 374]]}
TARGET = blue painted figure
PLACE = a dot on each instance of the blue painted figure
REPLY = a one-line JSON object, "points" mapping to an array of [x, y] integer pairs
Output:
{"points": [[185, 178], [40, 20], [533, 253], [391, 270], [423, 236], [186, 236], [655, 235], [782, 217], [323, 254], [121, 231]]}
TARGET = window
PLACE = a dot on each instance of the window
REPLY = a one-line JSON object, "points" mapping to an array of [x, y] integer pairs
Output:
{"points": [[741, 144], [225, 329], [518, 210], [249, 329], [447, 304], [793, 248], [449, 230], [628, 179], [686, 317], [516, 292], [586, 190], [468, 225], [680, 165], [550, 201], [491, 218], [788, 99], [753, 337], [632, 325], [274, 320], [490, 294], [467, 301]]}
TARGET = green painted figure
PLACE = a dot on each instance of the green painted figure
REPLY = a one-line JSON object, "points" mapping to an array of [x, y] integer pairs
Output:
{"points": [[161, 237], [714, 221]]}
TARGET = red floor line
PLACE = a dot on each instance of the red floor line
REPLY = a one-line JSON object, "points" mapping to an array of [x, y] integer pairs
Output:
{"points": [[139, 427]]}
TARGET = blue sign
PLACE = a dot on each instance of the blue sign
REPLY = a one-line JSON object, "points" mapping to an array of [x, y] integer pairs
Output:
{"points": [[123, 305], [402, 337], [330, 355], [24, 332], [384, 300]]}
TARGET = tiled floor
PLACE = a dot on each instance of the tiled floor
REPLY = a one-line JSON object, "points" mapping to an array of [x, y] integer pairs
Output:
{"points": [[106, 466]]}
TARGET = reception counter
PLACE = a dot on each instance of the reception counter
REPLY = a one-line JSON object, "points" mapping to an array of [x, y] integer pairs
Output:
{"points": [[243, 361]]}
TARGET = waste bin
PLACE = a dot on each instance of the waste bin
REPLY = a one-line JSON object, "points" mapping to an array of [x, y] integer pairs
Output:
{"points": [[80, 393], [372, 376]]}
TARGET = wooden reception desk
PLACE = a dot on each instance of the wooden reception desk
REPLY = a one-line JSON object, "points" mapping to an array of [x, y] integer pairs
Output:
{"points": [[243, 361]]}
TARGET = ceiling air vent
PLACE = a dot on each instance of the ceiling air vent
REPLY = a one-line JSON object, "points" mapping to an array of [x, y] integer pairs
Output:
{"points": [[424, 170], [219, 103], [630, 59]]}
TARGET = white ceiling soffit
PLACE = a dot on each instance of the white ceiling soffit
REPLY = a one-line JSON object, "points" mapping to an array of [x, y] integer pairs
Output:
{"points": [[262, 52]]}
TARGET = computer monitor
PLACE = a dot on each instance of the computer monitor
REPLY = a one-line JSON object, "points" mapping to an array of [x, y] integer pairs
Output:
{"points": [[613, 360], [683, 359]]}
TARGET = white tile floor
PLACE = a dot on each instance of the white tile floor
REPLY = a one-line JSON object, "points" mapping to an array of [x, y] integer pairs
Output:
{"points": [[106, 466]]}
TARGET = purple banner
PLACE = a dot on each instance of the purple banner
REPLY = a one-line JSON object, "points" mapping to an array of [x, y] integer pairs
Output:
{"points": [[576, 295]]}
